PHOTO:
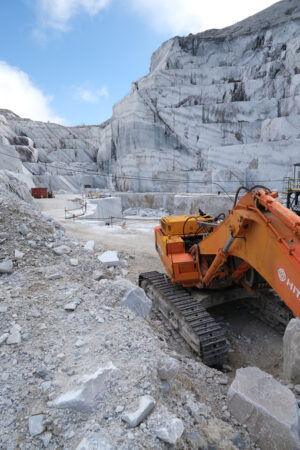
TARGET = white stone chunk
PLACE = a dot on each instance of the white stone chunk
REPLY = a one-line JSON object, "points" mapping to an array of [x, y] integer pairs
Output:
{"points": [[6, 267], [94, 441], [291, 352], [137, 301], [90, 392], [46, 438], [98, 275], [74, 262], [171, 430], [14, 335], [70, 306], [135, 417], [109, 258], [168, 369], [3, 337], [119, 409], [54, 276], [36, 424], [268, 408], [79, 343], [18, 254], [89, 246], [62, 250], [23, 229]]}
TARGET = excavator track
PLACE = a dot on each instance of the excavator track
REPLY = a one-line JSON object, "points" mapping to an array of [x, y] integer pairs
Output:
{"points": [[187, 316], [271, 309]]}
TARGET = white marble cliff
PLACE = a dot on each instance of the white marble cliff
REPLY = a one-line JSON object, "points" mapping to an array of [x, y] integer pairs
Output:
{"points": [[218, 108]]}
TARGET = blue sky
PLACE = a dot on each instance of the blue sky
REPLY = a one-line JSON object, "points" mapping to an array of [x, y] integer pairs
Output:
{"points": [[69, 61]]}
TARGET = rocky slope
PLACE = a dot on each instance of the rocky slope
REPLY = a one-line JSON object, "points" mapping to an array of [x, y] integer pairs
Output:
{"points": [[221, 107]]}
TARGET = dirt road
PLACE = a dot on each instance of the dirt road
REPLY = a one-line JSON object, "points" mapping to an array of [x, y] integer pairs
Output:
{"points": [[136, 238]]}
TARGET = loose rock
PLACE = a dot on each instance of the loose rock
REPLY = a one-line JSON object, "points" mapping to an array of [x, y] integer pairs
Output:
{"points": [[268, 408], [134, 418], [98, 275], [36, 424], [92, 389], [14, 335], [109, 259], [62, 250], [94, 441], [171, 430], [70, 306], [18, 255], [291, 351], [6, 267], [54, 276], [3, 338], [74, 262], [137, 301], [23, 229], [89, 246], [168, 369]]}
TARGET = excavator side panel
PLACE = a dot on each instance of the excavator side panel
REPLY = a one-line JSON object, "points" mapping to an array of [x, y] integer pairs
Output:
{"points": [[180, 265]]}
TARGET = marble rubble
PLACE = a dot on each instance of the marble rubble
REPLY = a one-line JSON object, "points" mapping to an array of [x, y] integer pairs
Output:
{"points": [[218, 108]]}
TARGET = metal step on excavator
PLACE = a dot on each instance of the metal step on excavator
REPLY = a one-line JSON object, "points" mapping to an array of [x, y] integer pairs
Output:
{"points": [[253, 254]]}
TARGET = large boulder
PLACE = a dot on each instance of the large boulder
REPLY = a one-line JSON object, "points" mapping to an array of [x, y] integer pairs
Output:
{"points": [[268, 408], [106, 208], [291, 352]]}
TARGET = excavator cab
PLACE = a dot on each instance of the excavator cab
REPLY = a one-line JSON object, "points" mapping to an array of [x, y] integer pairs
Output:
{"points": [[293, 191]]}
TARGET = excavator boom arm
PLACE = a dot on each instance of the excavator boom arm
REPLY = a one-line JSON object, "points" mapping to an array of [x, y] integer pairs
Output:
{"points": [[266, 236]]}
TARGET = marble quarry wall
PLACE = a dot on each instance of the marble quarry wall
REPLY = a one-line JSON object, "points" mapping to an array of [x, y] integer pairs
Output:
{"points": [[218, 109], [50, 155]]}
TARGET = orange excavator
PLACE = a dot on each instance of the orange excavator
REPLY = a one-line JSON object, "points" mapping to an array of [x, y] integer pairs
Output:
{"points": [[256, 246]]}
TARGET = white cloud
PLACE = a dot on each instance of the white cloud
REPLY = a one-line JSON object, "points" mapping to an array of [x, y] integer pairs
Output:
{"points": [[90, 96], [19, 94], [57, 13], [193, 16]]}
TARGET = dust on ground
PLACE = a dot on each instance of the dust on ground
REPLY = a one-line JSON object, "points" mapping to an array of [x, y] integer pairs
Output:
{"points": [[136, 238]]}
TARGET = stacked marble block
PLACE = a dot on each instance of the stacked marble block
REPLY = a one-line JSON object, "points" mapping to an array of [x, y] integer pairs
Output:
{"points": [[107, 208]]}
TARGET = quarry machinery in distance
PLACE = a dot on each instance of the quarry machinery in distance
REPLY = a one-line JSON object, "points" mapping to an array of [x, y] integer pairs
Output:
{"points": [[257, 246]]}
